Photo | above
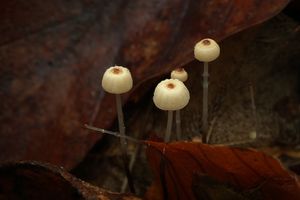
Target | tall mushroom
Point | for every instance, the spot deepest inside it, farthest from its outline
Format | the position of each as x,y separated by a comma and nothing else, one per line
206,51
170,95
181,75
117,80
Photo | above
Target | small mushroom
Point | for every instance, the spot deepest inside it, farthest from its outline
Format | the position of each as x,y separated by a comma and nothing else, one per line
206,51
182,75
117,80
170,95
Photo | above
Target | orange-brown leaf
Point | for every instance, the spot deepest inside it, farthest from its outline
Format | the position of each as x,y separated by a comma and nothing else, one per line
176,164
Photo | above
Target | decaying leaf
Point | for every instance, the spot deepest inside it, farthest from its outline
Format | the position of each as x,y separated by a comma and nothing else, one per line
36,181
53,52
176,165
205,187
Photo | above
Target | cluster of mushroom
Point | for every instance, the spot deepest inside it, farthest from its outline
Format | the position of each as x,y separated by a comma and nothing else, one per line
170,94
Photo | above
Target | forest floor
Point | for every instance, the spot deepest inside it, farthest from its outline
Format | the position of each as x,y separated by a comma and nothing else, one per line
264,59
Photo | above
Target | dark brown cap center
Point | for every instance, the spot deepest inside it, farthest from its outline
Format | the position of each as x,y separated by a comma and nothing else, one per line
206,42
179,69
170,85
117,70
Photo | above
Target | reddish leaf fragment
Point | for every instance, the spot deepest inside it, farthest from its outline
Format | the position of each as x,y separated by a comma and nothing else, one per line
244,169
205,187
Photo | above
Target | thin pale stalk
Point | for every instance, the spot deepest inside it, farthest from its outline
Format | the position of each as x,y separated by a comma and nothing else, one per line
123,141
131,163
253,105
178,125
205,103
121,123
210,130
169,126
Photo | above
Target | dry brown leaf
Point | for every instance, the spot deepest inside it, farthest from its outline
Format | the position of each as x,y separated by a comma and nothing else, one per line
176,164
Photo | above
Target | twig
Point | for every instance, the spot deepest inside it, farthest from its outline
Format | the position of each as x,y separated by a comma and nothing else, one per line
93,128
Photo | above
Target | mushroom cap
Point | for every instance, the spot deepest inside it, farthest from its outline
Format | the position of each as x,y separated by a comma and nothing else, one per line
206,50
179,74
171,94
117,80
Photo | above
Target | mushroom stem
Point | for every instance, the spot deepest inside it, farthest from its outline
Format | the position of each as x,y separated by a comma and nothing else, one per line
121,123
253,105
124,142
128,173
205,103
178,125
131,163
169,126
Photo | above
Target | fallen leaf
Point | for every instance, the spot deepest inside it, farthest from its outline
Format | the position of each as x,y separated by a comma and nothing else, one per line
175,165
205,187
35,181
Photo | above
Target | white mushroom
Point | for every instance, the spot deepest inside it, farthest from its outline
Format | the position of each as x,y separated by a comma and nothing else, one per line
182,75
206,51
117,80
179,74
170,95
